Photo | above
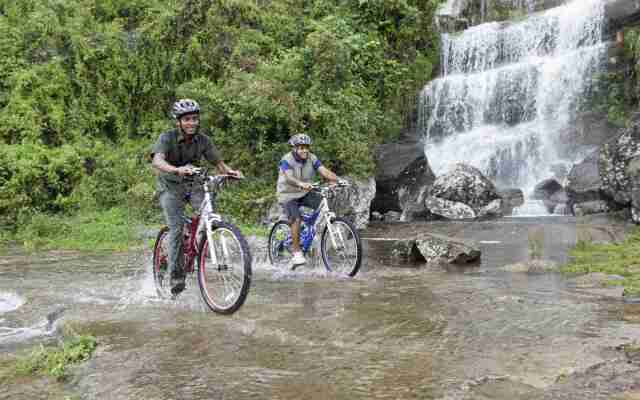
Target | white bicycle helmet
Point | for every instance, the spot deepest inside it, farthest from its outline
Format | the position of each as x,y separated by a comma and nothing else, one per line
300,138
184,107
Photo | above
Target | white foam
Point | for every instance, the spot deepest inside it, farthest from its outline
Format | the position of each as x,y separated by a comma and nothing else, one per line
10,302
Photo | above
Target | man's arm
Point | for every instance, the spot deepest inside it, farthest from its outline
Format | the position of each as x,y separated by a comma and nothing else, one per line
327,174
160,163
225,169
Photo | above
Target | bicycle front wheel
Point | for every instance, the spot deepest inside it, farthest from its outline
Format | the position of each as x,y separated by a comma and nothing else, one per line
279,244
161,263
224,282
341,247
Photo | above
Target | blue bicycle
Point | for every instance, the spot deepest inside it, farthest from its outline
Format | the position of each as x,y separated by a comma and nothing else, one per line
340,244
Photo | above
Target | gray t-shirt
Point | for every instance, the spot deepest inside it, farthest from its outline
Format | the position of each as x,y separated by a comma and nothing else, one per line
301,170
179,153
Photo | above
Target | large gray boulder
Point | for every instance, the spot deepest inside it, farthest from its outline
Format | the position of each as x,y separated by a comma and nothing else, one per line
353,202
604,180
449,209
511,198
442,249
552,194
463,193
412,202
545,189
633,172
620,13
615,157
584,183
402,173
424,247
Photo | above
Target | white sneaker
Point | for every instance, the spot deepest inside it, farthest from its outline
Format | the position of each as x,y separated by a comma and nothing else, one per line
298,258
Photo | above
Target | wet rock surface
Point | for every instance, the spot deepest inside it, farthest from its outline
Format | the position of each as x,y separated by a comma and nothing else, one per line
402,170
463,193
615,157
633,171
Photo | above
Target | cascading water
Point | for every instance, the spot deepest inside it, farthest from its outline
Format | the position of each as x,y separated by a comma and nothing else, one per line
508,93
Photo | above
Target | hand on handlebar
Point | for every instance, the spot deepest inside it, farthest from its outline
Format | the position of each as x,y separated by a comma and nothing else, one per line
186,170
342,182
306,186
235,173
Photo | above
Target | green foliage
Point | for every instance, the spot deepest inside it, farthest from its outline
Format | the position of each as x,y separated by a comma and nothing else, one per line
100,230
85,89
55,361
615,258
247,200
632,55
35,178
613,96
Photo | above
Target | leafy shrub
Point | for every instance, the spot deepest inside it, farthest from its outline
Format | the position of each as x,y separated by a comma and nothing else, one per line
85,89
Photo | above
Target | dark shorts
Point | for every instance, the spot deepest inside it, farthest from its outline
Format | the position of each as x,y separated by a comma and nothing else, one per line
292,207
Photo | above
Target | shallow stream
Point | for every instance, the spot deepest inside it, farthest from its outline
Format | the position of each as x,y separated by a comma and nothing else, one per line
395,331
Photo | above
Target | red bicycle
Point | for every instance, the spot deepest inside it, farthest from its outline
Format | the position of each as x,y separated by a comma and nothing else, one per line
212,247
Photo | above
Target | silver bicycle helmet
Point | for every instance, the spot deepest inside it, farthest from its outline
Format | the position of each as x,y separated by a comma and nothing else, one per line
183,107
300,138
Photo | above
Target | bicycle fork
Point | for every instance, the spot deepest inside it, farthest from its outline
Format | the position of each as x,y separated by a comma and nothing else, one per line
209,217
328,216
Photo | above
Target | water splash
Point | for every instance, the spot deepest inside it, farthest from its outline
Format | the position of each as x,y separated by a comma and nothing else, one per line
45,327
10,302
509,92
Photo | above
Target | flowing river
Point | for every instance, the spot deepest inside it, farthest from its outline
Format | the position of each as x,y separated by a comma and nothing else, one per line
395,331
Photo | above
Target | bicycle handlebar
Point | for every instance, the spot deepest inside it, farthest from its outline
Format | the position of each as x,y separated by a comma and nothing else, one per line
324,187
202,175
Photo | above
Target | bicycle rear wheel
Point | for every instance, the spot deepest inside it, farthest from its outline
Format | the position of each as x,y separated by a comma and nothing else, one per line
279,244
224,285
343,254
161,263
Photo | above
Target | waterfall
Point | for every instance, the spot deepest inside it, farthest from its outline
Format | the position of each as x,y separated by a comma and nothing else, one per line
509,91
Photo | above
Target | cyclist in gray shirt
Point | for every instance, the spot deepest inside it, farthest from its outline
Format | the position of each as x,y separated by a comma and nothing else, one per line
174,154
296,171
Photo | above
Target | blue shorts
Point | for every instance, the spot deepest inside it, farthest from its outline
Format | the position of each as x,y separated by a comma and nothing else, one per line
292,207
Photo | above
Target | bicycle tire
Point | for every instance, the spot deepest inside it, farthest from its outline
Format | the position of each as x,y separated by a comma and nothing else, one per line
278,251
222,291
331,256
160,262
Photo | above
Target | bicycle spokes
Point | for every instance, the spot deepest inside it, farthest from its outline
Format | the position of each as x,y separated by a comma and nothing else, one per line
341,248
160,263
224,278
280,244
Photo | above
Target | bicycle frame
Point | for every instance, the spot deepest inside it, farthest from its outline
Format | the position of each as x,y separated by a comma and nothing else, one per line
191,248
311,221
202,222
208,216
